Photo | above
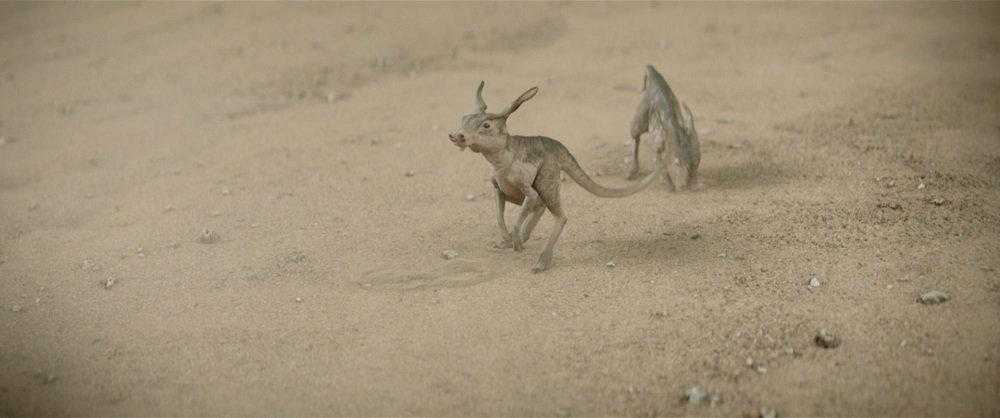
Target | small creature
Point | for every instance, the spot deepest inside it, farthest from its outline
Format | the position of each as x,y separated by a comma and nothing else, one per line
526,172
659,112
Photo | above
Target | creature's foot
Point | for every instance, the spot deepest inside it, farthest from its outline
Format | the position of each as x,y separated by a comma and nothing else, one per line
544,262
506,242
633,173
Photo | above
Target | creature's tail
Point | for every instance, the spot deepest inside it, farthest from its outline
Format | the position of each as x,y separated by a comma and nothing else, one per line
572,167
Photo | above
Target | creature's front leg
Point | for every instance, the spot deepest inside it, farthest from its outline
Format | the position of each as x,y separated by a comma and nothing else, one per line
505,239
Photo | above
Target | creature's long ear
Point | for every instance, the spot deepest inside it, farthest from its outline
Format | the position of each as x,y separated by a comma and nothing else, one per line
480,103
517,102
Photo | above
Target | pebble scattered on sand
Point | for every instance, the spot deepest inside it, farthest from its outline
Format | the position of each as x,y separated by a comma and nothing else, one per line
226,192
409,173
208,236
470,197
109,281
695,236
813,283
921,186
826,339
938,201
610,264
768,413
298,300
449,254
933,297
695,395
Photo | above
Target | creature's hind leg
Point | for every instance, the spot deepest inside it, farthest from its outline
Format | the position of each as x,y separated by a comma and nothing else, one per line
634,171
550,196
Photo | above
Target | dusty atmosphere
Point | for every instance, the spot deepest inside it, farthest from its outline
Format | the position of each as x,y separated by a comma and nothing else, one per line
241,209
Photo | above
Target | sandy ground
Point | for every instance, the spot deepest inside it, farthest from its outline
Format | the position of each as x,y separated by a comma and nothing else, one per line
289,130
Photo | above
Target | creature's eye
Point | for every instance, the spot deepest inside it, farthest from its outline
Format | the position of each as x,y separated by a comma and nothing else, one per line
486,125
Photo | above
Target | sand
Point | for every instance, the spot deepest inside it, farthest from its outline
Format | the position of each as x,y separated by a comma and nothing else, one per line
857,144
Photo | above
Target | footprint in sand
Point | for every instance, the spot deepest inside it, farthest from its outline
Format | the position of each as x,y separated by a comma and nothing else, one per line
456,273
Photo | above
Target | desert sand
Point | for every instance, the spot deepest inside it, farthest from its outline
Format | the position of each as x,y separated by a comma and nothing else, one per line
857,144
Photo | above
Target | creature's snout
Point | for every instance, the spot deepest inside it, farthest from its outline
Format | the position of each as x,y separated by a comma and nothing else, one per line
458,139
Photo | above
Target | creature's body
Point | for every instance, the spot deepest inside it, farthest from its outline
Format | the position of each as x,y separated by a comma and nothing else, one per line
526,172
659,112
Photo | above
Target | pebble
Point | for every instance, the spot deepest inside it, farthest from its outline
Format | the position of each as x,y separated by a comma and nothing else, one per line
409,174
226,192
695,236
208,236
15,308
695,395
826,339
938,201
299,300
933,297
813,283
108,282
470,197
768,413
610,264
449,254
921,186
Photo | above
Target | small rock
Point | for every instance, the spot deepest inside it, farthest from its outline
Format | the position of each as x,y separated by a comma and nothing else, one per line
15,308
695,395
108,282
938,201
826,339
921,186
470,197
695,236
790,351
610,264
409,174
254,225
768,413
760,369
208,237
749,361
813,283
215,214
168,208
449,254
226,192
298,300
933,297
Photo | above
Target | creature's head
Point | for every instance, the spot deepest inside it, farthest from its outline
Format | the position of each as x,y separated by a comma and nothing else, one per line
484,132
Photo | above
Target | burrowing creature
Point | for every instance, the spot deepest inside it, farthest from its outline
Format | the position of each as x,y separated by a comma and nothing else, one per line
526,172
659,113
